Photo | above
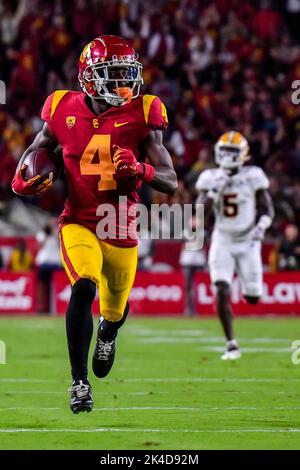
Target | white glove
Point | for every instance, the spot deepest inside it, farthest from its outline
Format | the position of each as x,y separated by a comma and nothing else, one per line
258,233
260,228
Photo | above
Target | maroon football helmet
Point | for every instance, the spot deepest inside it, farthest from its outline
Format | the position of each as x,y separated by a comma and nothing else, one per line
109,70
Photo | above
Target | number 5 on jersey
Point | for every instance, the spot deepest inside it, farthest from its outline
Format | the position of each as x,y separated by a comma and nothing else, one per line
105,169
230,205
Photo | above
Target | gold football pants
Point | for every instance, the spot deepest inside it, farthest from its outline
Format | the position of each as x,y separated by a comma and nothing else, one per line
111,268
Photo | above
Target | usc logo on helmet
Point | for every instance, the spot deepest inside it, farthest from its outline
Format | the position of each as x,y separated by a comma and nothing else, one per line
86,53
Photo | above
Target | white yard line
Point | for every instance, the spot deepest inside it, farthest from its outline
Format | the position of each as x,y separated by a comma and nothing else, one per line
205,336
216,340
26,379
164,408
208,379
158,392
177,340
150,332
150,430
165,379
247,349
50,392
30,408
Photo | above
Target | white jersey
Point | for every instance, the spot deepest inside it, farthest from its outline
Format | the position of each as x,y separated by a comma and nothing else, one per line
235,212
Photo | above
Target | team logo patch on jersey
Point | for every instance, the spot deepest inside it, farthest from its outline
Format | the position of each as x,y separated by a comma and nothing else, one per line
70,121
96,123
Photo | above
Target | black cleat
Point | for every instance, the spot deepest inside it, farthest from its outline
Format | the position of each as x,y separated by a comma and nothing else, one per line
81,397
104,355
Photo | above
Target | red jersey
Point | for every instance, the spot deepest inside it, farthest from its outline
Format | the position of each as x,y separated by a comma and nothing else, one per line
87,142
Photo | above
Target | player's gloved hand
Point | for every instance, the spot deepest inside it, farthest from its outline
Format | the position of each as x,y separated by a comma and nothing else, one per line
29,187
260,228
125,163
258,233
217,188
127,166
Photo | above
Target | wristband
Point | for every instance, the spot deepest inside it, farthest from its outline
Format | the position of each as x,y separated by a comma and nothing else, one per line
148,173
264,222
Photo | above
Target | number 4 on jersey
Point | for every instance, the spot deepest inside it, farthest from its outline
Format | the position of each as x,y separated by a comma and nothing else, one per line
105,169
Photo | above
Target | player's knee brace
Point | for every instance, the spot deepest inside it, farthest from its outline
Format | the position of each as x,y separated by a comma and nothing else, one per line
84,291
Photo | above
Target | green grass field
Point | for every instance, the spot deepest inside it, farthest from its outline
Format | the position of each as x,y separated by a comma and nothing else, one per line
168,388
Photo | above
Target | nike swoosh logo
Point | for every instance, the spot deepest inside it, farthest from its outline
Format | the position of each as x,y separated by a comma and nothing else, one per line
119,124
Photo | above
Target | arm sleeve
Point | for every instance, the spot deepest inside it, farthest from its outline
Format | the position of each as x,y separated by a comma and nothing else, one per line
155,112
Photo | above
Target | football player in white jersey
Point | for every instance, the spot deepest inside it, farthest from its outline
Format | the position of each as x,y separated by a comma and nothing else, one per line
243,211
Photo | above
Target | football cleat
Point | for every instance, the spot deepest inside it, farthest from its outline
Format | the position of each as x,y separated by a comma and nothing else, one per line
231,354
104,355
81,397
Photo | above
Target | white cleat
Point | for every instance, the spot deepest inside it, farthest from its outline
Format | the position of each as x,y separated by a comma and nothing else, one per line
231,355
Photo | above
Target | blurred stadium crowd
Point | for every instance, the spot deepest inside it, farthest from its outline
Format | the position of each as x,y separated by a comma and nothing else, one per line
216,65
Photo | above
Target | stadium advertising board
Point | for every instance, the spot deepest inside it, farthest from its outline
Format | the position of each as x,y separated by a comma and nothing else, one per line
61,292
163,293
17,293
158,293
281,295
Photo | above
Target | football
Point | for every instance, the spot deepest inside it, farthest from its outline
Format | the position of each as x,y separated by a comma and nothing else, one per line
41,162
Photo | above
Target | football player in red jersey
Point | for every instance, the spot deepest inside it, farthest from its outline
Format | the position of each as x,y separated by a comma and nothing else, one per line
106,133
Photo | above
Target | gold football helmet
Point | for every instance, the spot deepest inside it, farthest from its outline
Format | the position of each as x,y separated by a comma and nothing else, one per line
231,150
